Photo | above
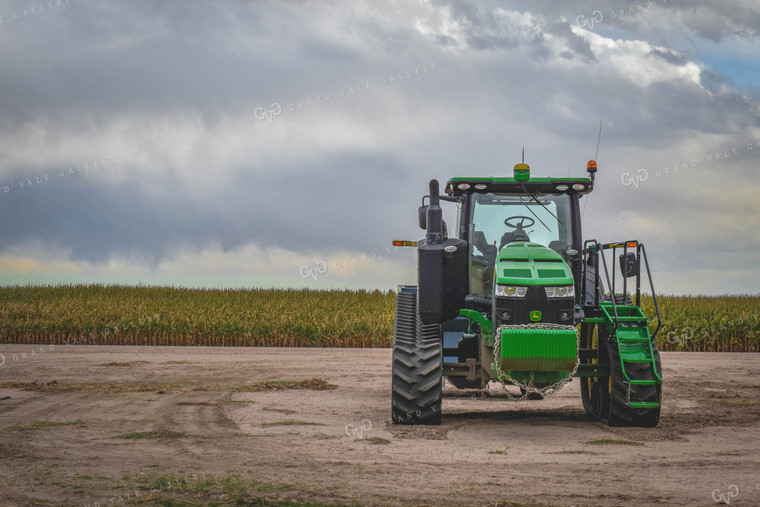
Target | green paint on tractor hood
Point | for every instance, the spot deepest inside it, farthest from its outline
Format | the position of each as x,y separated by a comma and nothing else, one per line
529,264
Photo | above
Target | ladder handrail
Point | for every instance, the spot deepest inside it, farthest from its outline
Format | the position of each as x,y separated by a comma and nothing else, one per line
592,248
654,295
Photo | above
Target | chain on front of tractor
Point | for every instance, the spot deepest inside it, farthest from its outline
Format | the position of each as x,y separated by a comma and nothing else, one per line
528,388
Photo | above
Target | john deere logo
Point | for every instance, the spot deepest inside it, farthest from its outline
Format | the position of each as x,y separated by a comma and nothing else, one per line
535,316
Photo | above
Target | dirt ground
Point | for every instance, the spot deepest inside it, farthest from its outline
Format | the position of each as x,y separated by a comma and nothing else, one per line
159,425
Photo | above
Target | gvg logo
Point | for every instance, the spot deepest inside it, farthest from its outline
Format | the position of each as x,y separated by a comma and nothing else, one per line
636,179
354,431
319,269
673,338
733,491
584,22
274,110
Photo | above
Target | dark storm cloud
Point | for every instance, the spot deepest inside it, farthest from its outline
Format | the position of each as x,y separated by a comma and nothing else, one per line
343,202
108,58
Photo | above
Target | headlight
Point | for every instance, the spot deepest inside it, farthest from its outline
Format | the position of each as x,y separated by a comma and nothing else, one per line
509,291
566,291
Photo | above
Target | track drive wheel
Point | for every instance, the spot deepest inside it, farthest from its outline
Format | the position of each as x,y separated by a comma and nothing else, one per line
595,391
589,340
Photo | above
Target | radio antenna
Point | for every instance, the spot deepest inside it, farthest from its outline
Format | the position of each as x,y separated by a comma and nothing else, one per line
596,159
598,141
523,156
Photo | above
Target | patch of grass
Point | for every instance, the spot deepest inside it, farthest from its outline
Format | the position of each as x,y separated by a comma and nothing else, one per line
740,402
314,384
376,441
286,411
612,441
152,435
233,485
165,482
126,364
291,422
239,491
115,387
42,425
229,489
206,485
237,402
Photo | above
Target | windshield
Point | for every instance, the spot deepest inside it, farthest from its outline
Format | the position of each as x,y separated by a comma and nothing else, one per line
545,220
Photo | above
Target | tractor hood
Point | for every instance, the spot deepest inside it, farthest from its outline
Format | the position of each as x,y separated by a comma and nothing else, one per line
530,264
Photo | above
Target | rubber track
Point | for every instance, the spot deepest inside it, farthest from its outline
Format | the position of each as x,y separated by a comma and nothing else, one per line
417,366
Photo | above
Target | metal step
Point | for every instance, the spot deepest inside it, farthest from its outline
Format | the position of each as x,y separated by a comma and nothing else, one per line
643,404
632,319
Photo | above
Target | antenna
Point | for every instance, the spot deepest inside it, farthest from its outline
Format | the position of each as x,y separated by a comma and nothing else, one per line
598,141
523,156
596,161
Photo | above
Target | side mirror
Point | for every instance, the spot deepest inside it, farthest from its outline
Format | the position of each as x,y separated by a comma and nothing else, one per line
629,264
422,216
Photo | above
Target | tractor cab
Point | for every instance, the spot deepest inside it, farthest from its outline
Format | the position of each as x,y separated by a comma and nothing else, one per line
497,212
502,219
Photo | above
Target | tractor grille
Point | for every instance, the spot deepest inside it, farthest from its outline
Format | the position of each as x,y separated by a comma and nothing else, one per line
519,309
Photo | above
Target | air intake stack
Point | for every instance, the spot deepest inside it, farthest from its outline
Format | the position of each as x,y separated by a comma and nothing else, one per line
442,282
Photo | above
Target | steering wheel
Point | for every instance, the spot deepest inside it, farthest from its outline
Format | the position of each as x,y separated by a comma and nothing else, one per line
521,224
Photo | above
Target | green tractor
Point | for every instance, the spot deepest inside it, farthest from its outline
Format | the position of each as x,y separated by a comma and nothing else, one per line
517,297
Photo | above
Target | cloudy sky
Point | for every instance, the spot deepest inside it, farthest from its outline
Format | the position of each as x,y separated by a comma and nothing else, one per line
265,143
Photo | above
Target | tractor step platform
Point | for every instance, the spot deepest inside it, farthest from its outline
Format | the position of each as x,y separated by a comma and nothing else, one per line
643,404
621,313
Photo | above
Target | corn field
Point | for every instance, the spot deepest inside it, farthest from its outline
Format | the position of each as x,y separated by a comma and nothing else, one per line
707,323
115,315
